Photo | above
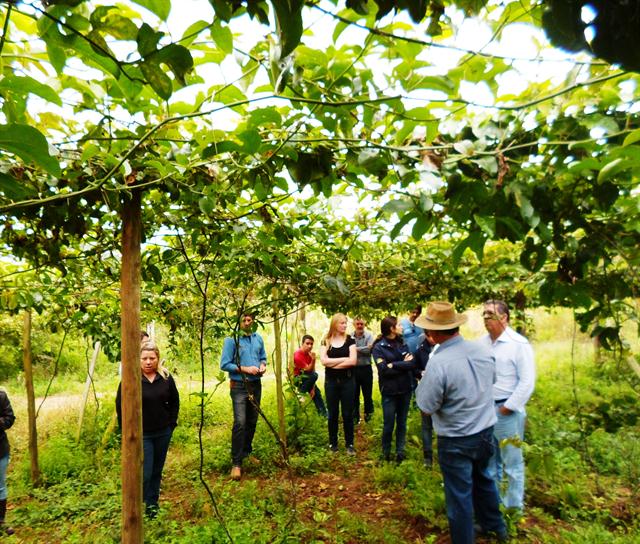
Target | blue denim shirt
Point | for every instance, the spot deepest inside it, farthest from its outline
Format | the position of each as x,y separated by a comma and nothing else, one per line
457,388
252,353
411,334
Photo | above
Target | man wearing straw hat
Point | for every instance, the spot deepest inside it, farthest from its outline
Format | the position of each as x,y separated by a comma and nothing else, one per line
457,391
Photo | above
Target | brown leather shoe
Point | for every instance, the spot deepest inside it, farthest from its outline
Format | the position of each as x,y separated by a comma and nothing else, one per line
236,473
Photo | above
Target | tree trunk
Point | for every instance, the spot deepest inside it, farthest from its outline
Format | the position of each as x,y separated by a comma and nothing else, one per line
278,372
132,530
87,388
31,399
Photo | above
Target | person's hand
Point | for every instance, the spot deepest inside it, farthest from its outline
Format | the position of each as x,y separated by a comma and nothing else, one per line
408,357
263,368
505,411
251,370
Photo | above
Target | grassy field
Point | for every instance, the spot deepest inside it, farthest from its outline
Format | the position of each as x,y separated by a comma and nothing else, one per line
583,462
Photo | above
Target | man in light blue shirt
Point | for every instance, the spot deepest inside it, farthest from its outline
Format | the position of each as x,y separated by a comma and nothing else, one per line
411,332
515,381
457,391
245,359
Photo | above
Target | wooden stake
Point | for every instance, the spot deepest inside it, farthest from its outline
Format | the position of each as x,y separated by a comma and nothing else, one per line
132,529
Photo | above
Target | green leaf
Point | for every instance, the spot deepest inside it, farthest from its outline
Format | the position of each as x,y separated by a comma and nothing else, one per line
632,138
487,224
251,140
159,7
222,8
217,148
420,227
398,206
121,28
29,144
207,205
222,37
289,19
178,58
264,116
147,40
14,189
159,81
24,85
191,33
612,168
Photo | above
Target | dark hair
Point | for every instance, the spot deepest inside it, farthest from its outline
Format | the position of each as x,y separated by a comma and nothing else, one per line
450,332
143,335
249,314
418,307
501,305
306,337
388,324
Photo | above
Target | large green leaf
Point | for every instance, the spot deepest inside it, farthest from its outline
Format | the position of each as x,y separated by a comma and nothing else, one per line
178,58
289,18
160,7
147,40
12,188
155,76
24,85
29,144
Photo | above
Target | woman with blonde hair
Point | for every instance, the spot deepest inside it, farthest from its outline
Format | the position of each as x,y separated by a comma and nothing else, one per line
160,407
338,355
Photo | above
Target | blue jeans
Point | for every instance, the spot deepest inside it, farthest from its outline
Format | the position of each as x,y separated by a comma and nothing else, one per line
468,487
339,393
427,437
155,446
4,462
245,418
364,383
395,409
306,383
508,460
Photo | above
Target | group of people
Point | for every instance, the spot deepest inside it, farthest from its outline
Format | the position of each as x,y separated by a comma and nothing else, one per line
471,394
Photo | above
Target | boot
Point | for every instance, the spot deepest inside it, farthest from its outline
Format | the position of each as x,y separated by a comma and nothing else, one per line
4,528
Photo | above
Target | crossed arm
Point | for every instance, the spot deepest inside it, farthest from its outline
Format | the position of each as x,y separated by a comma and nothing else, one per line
339,362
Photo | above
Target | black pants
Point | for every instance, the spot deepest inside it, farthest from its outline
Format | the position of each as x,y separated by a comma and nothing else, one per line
364,383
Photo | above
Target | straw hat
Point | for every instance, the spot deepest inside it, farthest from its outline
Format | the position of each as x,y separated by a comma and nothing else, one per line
440,316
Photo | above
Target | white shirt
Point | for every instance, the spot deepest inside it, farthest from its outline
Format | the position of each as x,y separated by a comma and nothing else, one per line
515,369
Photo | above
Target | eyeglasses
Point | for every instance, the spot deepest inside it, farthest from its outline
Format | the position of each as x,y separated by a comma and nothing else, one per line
490,315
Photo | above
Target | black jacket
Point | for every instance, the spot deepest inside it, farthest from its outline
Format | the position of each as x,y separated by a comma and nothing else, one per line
160,404
421,357
398,379
6,421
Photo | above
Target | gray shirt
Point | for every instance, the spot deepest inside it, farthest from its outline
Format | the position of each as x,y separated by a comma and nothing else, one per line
363,347
457,388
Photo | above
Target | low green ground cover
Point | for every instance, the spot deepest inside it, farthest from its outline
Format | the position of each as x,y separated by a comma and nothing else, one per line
583,460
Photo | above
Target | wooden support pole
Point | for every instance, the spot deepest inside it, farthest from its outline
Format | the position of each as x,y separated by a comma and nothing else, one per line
27,362
278,372
87,388
131,397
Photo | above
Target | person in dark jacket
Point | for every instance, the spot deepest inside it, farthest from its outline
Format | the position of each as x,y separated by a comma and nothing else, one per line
6,421
421,356
160,407
396,368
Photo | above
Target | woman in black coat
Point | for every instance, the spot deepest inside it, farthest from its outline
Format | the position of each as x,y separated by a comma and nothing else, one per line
160,407
6,421
396,368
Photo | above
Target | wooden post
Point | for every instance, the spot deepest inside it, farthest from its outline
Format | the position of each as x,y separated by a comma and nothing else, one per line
87,388
31,398
278,373
131,397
